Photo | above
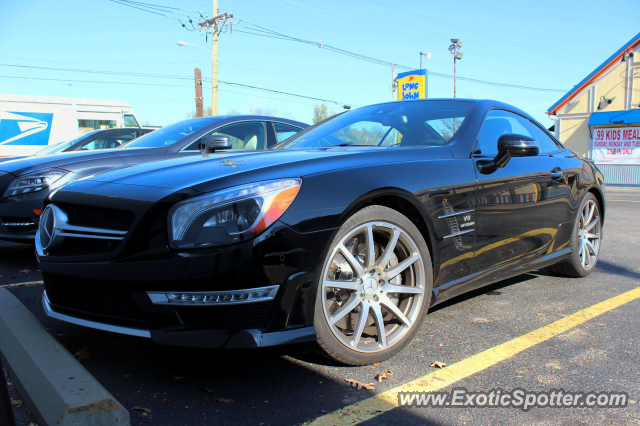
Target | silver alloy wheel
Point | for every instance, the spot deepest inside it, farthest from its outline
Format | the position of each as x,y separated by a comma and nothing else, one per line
589,234
373,287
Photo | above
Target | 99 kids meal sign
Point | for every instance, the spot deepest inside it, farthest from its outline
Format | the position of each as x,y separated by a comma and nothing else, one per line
617,145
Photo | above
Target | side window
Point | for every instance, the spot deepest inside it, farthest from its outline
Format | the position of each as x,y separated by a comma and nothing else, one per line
246,135
130,121
546,143
496,124
88,125
109,141
284,131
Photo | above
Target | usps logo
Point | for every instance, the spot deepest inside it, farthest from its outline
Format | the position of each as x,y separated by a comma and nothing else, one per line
25,128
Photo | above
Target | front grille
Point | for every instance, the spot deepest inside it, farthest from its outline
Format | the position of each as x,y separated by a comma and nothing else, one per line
232,317
98,217
84,246
95,297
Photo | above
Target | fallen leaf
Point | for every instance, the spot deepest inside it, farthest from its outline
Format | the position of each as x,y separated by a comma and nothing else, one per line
225,400
359,385
541,315
146,410
384,375
377,363
207,390
174,377
16,402
438,364
143,414
25,271
82,354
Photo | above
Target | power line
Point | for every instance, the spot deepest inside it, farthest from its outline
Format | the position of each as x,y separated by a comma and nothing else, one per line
282,93
262,31
192,62
130,74
179,85
157,11
100,63
94,81
258,30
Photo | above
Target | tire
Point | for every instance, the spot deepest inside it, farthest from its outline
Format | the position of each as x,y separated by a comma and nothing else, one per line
356,278
577,266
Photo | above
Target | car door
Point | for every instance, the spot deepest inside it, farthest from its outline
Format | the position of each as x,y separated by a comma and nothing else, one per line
520,206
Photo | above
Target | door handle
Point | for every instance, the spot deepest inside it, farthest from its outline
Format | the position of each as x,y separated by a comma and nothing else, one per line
557,174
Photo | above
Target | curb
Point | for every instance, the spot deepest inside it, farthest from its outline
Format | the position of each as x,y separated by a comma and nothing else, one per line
622,189
55,386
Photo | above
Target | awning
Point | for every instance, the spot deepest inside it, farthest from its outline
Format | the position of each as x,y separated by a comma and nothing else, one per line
615,117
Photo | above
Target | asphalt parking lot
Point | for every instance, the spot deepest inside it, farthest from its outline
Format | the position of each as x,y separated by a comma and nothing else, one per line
190,387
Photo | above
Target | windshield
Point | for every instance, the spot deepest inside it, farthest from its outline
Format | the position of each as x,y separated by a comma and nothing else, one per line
416,123
61,146
170,134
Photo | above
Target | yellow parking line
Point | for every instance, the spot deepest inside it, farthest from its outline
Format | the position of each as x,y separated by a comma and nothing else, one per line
385,401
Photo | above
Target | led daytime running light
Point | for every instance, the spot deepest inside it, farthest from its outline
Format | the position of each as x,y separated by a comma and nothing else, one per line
214,297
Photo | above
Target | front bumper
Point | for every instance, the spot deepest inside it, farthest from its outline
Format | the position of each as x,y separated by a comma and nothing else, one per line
18,217
112,295
219,339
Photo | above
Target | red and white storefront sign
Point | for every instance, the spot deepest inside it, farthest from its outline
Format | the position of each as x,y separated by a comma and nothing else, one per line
619,145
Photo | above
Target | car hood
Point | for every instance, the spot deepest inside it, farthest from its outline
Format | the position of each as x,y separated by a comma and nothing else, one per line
219,170
3,159
70,161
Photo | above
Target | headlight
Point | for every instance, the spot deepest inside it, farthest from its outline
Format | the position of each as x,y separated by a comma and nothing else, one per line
34,182
231,215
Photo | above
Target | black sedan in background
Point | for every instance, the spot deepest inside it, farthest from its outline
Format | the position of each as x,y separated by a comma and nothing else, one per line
25,183
97,139
341,237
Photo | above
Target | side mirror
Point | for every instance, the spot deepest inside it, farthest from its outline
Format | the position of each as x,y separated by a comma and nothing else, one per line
213,143
518,145
511,145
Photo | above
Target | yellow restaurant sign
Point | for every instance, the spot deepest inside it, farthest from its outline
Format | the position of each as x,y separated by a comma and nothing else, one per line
412,85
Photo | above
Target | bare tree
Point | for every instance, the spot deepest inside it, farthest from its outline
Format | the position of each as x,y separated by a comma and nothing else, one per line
450,126
207,112
320,112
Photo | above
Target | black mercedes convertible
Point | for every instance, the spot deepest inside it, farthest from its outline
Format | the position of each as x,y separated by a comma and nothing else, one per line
340,239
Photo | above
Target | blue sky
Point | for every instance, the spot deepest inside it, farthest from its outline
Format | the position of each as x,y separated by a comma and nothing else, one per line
542,43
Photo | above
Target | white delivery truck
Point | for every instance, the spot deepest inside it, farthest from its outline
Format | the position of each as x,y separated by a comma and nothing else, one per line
30,123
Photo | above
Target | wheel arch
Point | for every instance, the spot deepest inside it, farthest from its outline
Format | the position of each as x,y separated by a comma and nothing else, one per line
401,201
597,192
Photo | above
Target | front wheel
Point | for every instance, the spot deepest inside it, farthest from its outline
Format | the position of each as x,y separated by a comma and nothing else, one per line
375,288
585,242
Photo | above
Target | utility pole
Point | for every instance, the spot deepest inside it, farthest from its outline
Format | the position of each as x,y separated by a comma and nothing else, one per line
393,81
455,47
213,26
199,109
214,64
